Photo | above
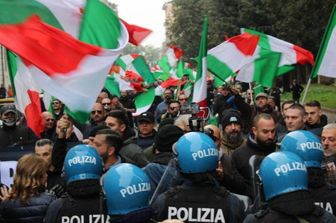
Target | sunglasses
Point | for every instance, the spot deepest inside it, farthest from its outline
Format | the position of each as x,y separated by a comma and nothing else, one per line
98,112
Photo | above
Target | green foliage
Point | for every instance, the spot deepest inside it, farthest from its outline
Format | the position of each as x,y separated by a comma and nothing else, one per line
325,94
301,22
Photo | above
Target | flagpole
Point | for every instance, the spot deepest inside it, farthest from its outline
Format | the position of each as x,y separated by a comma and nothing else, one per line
306,91
313,73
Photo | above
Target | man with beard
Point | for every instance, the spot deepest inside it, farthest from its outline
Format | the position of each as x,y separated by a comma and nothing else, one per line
232,131
261,141
163,106
173,110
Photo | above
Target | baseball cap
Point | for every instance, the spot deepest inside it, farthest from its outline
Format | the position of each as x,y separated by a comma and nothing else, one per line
261,94
146,116
8,108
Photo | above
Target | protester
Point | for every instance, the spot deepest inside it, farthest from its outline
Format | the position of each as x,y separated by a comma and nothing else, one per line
281,126
106,102
261,141
127,101
49,126
12,134
295,117
220,104
27,200
82,168
328,139
285,185
163,106
173,110
44,150
146,130
97,117
117,120
57,108
296,89
108,144
162,152
315,120
232,131
185,105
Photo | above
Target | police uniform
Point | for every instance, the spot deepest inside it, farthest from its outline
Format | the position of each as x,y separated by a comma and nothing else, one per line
202,203
325,197
83,168
80,210
269,215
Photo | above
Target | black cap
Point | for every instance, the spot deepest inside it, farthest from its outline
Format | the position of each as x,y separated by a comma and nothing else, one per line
231,116
146,116
166,137
8,108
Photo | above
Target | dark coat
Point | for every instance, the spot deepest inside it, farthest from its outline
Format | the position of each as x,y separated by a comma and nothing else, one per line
13,211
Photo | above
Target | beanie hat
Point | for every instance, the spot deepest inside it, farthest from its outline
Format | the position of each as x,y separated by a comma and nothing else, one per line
166,137
231,116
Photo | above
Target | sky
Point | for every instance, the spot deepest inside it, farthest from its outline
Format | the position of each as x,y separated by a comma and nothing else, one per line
145,13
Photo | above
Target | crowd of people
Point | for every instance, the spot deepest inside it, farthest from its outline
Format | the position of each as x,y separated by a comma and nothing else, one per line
260,160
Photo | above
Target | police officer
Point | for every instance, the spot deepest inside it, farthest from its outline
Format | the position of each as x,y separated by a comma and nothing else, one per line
308,146
285,184
199,198
83,168
127,192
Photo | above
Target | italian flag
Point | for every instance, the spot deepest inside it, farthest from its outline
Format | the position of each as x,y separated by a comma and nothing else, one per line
227,58
325,60
69,73
169,60
164,85
266,58
144,101
65,15
140,67
200,86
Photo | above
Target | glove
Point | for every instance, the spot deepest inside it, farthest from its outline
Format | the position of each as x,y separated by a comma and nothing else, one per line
57,190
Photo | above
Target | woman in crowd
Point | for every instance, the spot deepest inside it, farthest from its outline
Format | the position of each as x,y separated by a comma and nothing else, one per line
27,200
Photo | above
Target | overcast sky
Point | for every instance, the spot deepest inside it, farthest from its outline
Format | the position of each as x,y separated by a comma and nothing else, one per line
145,13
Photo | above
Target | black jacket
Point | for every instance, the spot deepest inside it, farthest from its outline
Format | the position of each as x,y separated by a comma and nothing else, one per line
13,211
293,207
241,157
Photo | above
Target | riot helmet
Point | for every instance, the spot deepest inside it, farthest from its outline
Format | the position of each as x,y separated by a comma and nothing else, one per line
82,162
196,153
282,173
127,188
306,145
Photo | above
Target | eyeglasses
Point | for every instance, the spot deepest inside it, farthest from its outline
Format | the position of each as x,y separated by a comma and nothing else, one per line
98,112
106,103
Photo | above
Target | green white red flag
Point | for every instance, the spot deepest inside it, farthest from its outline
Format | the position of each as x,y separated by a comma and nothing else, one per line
200,86
265,59
69,73
65,15
326,57
230,56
